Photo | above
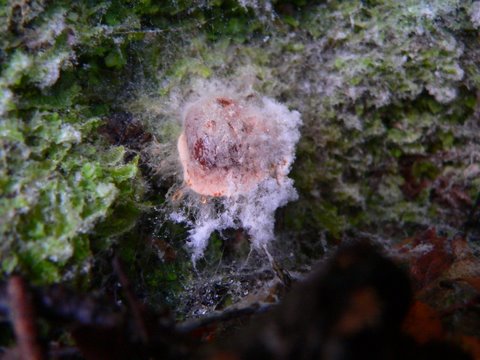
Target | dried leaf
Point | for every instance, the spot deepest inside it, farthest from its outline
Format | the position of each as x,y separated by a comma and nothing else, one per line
472,345
473,282
423,323
429,256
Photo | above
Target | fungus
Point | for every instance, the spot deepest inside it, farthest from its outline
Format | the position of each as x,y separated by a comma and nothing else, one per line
236,150
228,146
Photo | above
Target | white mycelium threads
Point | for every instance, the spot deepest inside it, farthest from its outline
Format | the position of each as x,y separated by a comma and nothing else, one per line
236,151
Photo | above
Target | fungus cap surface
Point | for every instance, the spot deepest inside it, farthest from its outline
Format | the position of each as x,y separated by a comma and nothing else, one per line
228,146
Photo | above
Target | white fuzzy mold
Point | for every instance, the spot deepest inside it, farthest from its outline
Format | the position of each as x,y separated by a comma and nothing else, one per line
236,149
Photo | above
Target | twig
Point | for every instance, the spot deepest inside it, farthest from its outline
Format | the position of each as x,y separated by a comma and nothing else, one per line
192,325
23,319
137,311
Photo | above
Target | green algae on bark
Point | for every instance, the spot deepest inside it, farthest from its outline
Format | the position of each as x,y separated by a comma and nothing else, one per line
387,91
58,179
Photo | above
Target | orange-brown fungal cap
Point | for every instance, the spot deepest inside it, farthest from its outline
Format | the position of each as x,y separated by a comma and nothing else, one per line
219,147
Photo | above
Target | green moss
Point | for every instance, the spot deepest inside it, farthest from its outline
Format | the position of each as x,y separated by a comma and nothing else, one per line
55,188
376,83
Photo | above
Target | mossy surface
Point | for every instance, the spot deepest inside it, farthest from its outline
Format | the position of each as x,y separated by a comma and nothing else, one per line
387,91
